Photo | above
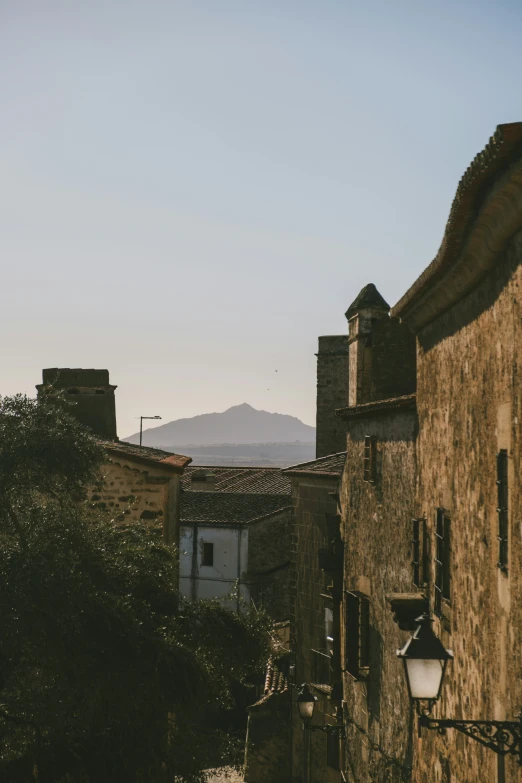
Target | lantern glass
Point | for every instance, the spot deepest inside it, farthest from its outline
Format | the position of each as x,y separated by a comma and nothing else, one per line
306,709
306,702
424,677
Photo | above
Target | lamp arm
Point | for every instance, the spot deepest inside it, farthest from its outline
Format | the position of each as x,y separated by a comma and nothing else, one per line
501,736
338,731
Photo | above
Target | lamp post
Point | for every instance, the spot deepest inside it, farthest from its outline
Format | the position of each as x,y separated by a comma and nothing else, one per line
306,704
425,661
141,424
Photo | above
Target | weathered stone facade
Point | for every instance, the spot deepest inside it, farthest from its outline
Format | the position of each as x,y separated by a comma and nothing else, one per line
136,483
377,561
131,490
315,605
431,521
332,393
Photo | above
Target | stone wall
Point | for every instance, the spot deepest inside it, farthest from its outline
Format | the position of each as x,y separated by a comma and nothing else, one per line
377,531
312,503
131,492
268,749
268,575
393,359
332,393
469,405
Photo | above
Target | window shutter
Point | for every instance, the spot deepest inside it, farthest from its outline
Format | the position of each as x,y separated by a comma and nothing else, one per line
351,662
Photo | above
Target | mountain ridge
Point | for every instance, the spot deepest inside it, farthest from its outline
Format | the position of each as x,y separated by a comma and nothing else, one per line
239,424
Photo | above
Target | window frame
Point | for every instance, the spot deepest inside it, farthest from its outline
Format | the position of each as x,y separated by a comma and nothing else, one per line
356,634
503,508
442,586
206,550
370,459
419,543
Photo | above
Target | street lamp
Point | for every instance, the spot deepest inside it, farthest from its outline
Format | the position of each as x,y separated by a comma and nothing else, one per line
306,704
425,660
141,424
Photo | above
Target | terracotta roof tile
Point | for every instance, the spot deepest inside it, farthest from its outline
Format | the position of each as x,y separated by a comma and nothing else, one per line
332,465
175,462
243,480
377,407
221,508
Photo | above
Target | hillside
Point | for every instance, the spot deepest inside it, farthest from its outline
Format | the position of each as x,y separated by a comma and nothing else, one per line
240,424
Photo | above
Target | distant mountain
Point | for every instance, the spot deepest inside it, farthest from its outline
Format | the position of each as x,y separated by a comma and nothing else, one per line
239,424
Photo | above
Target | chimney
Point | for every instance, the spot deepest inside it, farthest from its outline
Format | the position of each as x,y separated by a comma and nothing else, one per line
91,393
332,393
365,311
203,481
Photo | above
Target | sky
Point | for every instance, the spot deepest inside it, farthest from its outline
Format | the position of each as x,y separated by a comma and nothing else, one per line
192,191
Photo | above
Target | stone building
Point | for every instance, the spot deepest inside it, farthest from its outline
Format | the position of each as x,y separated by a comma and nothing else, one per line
429,500
332,393
137,483
235,534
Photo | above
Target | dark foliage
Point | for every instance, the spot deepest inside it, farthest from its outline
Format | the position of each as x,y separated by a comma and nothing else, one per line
106,674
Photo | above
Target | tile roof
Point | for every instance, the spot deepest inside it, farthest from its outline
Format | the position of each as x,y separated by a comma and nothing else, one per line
332,465
221,508
377,407
504,147
275,680
271,481
166,459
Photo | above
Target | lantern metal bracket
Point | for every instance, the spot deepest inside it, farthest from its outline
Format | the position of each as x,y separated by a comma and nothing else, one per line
336,731
501,736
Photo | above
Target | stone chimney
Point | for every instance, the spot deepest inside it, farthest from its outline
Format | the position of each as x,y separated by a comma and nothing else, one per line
92,395
332,393
203,481
364,313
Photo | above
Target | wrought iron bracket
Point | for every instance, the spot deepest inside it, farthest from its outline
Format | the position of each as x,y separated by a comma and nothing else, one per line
336,731
501,736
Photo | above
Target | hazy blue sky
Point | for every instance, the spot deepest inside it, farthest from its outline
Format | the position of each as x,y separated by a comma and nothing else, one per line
193,190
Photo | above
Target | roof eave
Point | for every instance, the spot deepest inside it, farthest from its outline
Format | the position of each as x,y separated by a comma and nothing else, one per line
486,212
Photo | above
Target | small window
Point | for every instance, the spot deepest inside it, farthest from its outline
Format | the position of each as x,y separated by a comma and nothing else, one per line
100,391
370,454
329,634
357,635
332,751
208,555
420,552
442,560
502,508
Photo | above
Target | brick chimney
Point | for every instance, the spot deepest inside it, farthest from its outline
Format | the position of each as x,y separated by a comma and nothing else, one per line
91,393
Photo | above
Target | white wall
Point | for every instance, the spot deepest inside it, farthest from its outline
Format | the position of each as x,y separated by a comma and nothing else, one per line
230,561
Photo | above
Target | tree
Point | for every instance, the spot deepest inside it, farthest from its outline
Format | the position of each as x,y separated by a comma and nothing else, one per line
97,647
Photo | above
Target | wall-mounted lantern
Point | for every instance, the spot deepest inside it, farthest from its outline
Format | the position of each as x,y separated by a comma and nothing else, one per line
425,661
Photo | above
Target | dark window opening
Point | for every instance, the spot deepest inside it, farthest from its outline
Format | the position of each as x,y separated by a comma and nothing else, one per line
442,560
73,391
502,508
370,455
332,751
357,635
100,391
321,667
208,555
420,553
